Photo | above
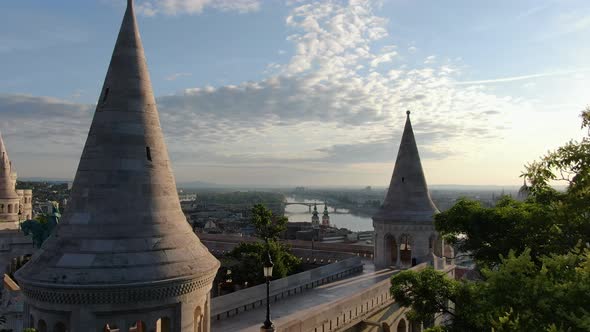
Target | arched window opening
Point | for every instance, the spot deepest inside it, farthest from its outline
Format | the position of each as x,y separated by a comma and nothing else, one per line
390,249
59,327
1,208
148,153
401,326
138,326
405,250
41,326
163,325
9,208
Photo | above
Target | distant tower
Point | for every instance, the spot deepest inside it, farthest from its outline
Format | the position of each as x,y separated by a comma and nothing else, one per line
523,192
15,205
315,218
326,216
123,257
404,225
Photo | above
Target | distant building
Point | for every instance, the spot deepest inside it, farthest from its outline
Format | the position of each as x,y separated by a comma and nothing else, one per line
16,205
315,218
326,216
523,192
404,225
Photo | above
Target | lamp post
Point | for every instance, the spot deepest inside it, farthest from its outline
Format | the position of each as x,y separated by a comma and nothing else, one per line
268,326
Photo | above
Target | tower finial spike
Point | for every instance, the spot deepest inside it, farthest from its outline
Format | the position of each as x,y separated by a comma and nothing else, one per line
408,113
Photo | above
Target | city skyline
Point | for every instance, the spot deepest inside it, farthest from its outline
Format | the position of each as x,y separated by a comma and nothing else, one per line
293,94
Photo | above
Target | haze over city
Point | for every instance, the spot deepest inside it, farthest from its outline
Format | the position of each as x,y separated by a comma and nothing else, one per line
285,93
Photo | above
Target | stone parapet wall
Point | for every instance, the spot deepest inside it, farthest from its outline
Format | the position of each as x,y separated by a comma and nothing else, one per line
344,313
232,304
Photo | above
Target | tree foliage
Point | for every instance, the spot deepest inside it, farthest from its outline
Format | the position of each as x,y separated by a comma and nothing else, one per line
268,226
534,256
517,295
42,226
247,259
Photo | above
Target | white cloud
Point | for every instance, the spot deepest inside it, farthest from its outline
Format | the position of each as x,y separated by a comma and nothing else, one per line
430,59
331,103
175,7
176,76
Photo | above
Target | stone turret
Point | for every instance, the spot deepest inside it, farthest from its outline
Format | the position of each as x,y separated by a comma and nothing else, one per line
404,225
9,199
123,256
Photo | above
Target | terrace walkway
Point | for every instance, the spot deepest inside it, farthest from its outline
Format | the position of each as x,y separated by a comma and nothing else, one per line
252,320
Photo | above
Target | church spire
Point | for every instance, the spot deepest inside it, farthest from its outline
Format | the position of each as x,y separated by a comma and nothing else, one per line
6,182
3,155
124,223
408,197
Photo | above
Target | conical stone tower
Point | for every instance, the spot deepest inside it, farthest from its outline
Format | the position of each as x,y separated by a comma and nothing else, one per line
123,255
404,225
9,199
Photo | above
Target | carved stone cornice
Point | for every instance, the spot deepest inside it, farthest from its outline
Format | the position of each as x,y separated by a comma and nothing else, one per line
116,294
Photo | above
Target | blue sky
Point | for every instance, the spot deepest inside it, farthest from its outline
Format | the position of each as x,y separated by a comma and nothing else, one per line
306,92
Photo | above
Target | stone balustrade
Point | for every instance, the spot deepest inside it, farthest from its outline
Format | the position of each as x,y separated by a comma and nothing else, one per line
232,304
344,313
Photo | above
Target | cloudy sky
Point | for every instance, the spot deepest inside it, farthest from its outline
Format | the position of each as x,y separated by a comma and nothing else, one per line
296,92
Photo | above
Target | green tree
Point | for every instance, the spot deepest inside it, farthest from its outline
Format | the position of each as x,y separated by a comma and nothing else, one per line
268,226
517,295
247,259
42,226
534,256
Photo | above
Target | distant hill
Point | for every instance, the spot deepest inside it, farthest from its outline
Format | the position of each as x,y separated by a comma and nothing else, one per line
40,179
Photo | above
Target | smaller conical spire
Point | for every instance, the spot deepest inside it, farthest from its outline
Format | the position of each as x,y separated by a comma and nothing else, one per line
6,184
407,197
3,153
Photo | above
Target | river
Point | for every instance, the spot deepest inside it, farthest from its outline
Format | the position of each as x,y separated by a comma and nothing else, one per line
341,219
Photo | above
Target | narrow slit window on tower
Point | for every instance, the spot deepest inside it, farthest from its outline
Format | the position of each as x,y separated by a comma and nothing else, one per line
106,94
148,153
403,179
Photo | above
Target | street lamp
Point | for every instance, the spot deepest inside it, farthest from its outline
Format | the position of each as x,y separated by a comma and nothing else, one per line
268,327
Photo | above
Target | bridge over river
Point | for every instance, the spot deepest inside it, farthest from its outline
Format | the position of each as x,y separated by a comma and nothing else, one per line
310,205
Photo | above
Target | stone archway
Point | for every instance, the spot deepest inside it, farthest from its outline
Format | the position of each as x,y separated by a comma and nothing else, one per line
402,326
390,250
41,326
60,327
405,250
163,325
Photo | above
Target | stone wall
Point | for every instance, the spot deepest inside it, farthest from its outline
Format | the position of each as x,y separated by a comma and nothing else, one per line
232,304
347,312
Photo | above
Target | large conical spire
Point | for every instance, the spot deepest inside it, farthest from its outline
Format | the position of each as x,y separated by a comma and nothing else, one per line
408,197
123,224
6,184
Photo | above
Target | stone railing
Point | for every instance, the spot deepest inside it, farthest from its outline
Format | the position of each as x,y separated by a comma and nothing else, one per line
232,304
344,313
